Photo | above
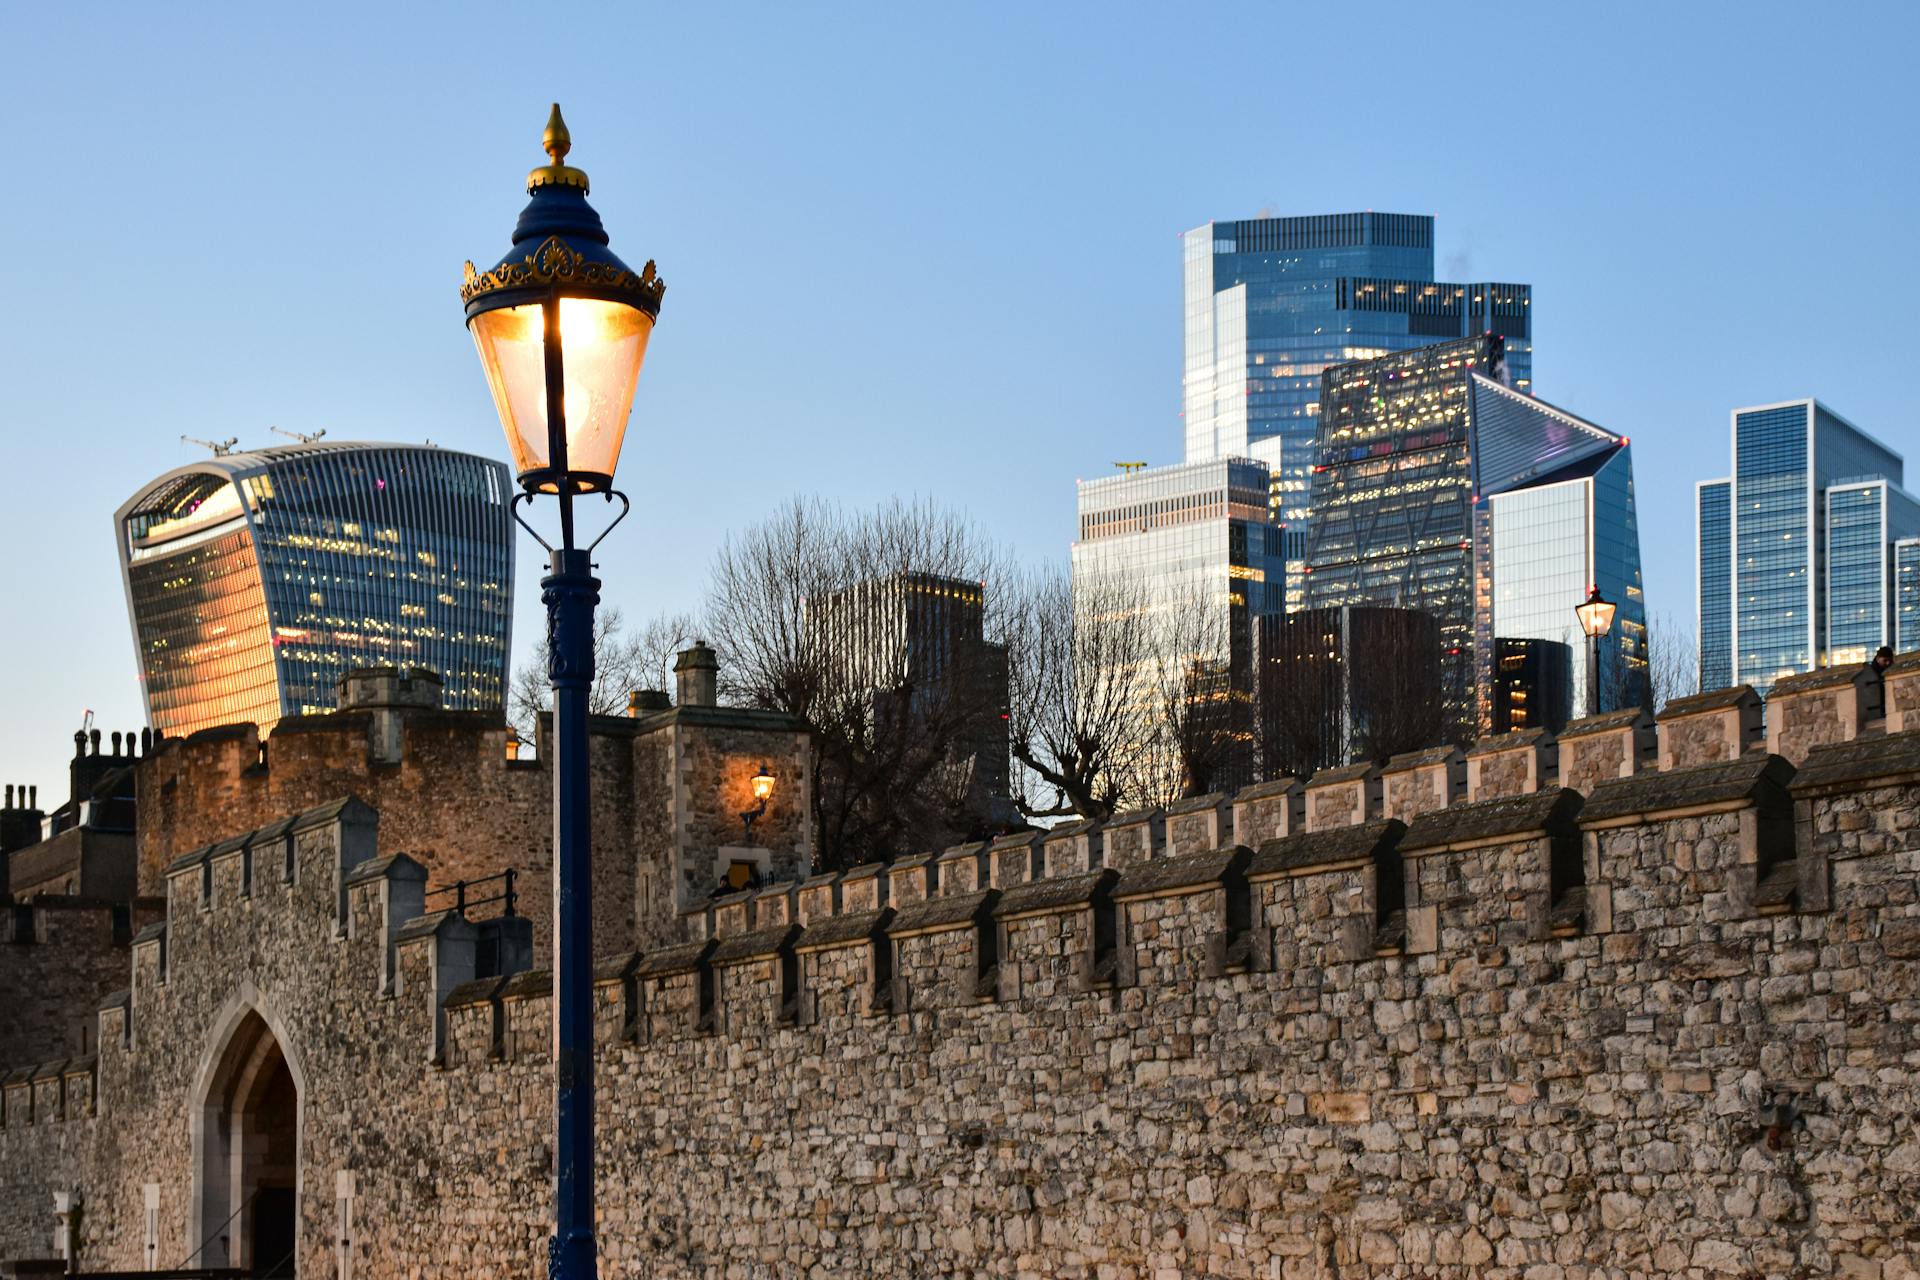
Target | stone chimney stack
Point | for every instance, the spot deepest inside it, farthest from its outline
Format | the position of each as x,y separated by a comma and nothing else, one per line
19,823
642,702
698,671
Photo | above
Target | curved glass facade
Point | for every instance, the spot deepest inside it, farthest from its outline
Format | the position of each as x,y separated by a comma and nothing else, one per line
255,581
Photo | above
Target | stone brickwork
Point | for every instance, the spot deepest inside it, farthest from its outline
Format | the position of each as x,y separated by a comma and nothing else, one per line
668,789
59,957
1671,1027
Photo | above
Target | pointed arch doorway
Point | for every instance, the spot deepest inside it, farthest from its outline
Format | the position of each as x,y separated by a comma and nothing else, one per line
246,1128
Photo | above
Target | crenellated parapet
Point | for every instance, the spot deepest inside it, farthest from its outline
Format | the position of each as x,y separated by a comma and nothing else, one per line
1527,838
1270,1023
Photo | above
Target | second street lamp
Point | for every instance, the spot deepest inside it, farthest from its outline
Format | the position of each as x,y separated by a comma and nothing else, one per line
1596,619
561,325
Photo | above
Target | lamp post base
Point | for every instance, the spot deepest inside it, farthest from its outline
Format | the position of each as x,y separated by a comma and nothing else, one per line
572,1258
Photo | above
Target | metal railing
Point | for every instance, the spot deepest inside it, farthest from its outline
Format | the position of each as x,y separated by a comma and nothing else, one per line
464,898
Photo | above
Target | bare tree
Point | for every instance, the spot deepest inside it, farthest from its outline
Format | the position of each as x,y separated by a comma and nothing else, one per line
622,662
879,631
1673,661
1363,683
1081,682
1395,685
1202,698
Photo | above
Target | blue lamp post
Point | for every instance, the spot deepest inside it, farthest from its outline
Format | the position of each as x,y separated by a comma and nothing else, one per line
561,325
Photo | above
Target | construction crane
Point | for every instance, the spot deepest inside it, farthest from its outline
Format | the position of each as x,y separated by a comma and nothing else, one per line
304,437
220,450
1131,467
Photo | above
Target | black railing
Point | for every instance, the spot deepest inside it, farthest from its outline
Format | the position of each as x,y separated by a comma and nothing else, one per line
464,893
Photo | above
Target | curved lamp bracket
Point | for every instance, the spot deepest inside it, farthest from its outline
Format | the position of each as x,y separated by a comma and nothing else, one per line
626,508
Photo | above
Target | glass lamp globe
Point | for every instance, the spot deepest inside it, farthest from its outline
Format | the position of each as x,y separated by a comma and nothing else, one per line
561,313
763,784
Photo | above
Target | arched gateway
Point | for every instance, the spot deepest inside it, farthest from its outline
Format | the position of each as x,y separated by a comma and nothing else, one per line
246,1136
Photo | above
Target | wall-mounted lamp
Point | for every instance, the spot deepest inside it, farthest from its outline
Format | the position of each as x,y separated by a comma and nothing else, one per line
762,792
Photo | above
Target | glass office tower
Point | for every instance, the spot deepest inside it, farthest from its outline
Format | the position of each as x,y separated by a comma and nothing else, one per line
924,635
256,580
1272,302
1713,565
1191,531
1906,595
1393,496
1865,518
1439,487
1185,538
1786,459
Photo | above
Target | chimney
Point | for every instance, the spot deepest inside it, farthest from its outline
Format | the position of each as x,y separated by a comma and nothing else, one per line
698,672
19,823
642,702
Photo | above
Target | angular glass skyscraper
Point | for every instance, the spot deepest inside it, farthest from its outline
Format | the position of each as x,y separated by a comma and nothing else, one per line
1272,302
1814,507
256,580
1439,487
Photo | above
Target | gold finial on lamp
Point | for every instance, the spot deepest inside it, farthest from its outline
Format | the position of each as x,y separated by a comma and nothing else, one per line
557,142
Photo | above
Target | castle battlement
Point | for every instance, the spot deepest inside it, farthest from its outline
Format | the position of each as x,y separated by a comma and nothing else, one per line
1448,1015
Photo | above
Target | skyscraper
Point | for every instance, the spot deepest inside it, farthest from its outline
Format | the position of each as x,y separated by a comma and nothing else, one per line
256,580
1196,547
922,635
1272,302
1439,487
1713,546
1198,531
1864,519
1813,510
1906,595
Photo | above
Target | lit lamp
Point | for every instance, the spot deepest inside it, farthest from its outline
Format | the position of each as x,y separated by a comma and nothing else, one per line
561,325
1596,619
762,792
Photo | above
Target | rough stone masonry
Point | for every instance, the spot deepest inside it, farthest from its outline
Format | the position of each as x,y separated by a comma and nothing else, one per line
1485,1025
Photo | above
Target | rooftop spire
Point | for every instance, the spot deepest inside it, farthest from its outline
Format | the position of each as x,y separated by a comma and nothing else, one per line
557,142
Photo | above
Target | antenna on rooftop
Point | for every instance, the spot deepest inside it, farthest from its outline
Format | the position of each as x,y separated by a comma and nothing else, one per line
1131,467
304,437
220,450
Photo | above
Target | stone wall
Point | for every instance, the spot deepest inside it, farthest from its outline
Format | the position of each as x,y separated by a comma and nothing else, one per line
1668,1028
59,958
667,793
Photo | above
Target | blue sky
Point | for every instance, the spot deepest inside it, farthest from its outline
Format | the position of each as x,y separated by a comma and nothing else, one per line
909,249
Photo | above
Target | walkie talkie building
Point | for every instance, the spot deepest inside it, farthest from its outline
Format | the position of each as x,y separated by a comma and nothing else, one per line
256,580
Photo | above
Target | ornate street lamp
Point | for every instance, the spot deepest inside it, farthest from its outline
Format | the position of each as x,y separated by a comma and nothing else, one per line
762,785
1596,619
561,325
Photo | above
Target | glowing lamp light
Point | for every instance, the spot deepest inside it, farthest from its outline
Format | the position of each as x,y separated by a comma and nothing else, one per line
1596,614
763,784
602,345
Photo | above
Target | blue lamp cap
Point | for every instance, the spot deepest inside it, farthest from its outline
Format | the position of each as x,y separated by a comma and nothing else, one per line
559,242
